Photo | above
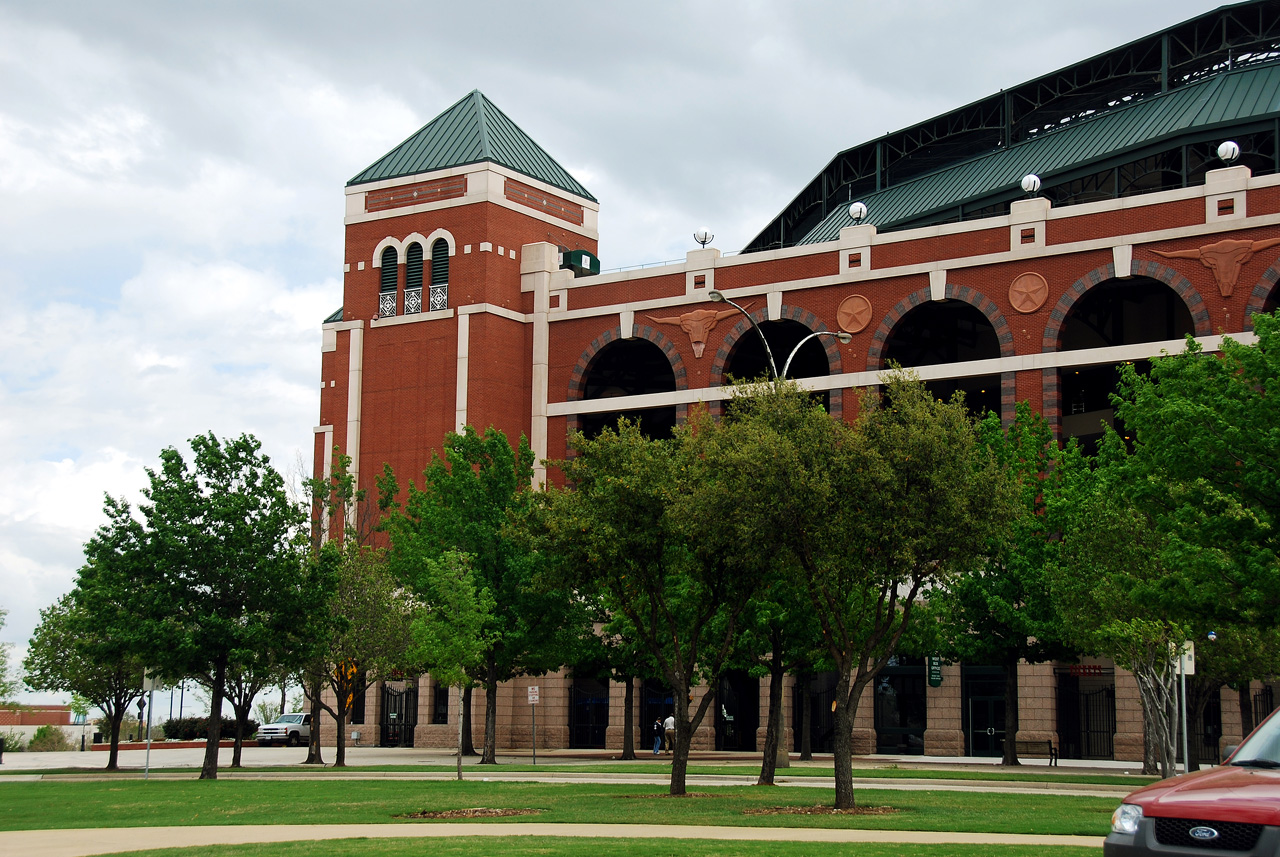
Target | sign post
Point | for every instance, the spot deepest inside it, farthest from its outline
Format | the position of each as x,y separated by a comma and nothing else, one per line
533,710
1186,667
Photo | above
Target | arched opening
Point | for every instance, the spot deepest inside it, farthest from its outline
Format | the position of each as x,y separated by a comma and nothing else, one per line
748,362
1116,312
439,297
945,332
630,367
389,282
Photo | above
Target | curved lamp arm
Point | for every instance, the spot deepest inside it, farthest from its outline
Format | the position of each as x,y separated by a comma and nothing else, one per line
719,297
840,335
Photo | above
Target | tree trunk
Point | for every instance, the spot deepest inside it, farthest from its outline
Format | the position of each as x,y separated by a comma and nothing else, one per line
773,731
115,718
629,720
314,755
806,718
846,707
242,720
340,755
490,756
1150,764
1246,710
468,744
209,770
680,754
1011,714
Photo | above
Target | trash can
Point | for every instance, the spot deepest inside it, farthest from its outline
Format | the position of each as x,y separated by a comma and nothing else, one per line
97,737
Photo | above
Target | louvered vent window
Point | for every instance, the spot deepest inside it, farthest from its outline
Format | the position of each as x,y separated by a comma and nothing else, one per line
440,275
413,279
390,279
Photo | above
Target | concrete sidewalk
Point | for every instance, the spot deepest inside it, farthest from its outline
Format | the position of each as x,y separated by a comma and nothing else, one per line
83,843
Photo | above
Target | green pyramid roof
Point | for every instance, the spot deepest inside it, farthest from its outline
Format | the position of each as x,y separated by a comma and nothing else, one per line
470,132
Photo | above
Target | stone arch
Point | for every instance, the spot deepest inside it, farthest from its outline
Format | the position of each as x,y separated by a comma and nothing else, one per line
975,299
577,378
830,345
1051,380
1258,298
383,245
1139,268
971,296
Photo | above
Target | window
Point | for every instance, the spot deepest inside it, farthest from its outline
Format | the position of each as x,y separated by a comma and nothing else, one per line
390,280
440,704
440,274
413,279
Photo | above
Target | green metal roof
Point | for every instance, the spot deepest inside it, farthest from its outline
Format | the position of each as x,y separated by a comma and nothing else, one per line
470,132
1223,101
336,315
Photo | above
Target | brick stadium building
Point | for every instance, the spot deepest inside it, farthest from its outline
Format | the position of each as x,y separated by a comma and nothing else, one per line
472,295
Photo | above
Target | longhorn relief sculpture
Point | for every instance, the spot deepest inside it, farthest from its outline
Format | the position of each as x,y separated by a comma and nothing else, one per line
697,324
1224,258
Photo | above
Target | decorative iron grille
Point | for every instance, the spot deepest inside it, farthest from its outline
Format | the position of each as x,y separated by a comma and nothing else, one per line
439,296
386,305
412,301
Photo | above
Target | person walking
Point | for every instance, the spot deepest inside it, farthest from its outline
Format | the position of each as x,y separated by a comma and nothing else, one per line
669,727
657,736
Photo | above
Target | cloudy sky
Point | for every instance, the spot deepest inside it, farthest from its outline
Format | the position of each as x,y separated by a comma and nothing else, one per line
171,181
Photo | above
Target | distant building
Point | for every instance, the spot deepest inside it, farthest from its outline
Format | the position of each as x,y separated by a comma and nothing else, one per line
473,295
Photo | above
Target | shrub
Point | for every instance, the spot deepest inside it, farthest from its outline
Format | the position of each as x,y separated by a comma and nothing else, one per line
48,738
197,728
14,741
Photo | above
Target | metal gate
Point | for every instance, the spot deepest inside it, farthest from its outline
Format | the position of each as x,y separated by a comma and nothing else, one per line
1263,704
821,690
1086,720
399,716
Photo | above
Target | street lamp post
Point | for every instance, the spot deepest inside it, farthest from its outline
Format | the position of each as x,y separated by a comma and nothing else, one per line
845,338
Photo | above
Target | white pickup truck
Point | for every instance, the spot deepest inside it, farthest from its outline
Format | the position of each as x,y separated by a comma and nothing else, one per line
292,729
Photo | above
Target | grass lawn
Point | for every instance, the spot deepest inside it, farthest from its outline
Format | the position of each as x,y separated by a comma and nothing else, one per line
563,847
127,803
1037,774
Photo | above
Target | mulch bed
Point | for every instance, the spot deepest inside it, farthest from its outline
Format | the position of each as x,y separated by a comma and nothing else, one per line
821,810
474,812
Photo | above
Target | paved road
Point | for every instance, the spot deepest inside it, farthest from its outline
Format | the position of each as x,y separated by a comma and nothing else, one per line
82,843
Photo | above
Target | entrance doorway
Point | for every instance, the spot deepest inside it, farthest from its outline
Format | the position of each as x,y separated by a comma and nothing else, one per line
589,714
399,715
901,712
737,711
1086,712
984,710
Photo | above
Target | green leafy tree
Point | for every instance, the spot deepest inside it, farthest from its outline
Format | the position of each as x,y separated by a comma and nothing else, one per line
80,647
8,682
369,637
221,573
467,500
1205,431
621,536
1002,612
913,498
451,629
1111,586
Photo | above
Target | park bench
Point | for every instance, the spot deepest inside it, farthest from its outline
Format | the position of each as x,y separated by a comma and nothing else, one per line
1039,748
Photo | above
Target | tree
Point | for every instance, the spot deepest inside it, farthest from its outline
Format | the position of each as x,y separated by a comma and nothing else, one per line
1111,587
912,498
1001,612
619,535
369,637
451,630
221,571
1205,433
78,648
8,682
467,499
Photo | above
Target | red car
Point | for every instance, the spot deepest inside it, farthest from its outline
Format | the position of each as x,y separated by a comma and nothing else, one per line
1229,810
